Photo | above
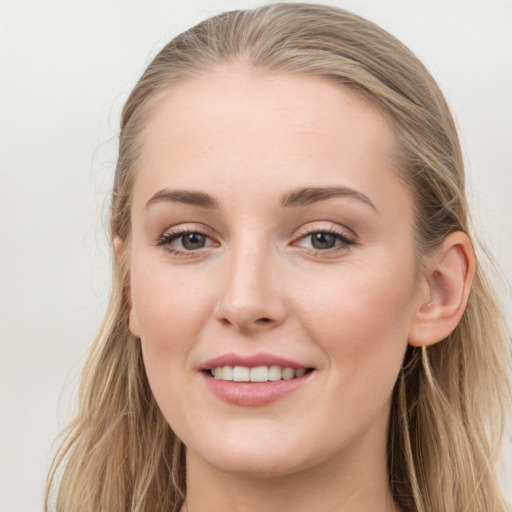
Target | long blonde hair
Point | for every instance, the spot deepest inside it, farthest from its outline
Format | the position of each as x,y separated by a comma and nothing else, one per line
119,453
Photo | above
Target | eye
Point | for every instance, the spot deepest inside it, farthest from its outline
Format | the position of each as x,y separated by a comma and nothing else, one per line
184,241
324,240
192,241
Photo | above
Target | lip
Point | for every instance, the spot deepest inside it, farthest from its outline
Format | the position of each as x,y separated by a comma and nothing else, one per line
253,394
251,361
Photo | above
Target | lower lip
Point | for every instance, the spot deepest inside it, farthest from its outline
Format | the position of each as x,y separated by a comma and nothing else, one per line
253,394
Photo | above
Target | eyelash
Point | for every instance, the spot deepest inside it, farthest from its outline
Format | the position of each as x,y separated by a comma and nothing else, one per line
344,240
167,238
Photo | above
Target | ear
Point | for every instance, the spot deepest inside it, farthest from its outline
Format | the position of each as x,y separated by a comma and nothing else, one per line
450,272
120,255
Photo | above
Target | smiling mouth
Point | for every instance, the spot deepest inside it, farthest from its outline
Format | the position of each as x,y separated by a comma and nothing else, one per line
259,374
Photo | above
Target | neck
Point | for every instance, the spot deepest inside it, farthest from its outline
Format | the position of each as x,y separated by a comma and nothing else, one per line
360,485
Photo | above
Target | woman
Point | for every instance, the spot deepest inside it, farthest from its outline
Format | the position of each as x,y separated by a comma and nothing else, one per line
297,319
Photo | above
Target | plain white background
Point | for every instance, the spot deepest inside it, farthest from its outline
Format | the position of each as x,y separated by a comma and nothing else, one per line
66,69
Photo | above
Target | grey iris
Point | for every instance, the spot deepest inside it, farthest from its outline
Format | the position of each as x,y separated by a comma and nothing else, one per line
193,241
323,240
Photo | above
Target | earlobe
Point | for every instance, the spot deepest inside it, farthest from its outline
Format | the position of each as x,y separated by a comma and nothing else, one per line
132,316
450,272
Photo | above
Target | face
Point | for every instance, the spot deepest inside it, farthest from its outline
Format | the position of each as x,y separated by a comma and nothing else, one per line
271,238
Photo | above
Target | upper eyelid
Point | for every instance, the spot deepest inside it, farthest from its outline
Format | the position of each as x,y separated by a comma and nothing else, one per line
191,227
328,227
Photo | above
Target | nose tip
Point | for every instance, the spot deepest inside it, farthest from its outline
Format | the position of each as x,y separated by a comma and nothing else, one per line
251,299
245,318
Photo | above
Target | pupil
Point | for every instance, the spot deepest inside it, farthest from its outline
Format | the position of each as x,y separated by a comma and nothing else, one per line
193,241
323,240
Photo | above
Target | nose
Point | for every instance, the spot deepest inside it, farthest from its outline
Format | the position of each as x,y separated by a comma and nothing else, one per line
251,299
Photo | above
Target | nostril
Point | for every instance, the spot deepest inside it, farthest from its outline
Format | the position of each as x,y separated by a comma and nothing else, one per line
263,320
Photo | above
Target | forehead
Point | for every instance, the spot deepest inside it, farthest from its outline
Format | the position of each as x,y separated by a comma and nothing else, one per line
237,98
236,125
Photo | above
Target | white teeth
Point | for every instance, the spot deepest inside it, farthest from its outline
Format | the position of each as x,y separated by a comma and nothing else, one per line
257,374
288,373
241,374
274,373
227,373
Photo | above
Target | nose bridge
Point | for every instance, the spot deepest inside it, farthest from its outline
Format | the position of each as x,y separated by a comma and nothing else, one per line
251,297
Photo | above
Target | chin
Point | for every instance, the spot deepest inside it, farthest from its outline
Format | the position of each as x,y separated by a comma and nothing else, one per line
258,458
256,466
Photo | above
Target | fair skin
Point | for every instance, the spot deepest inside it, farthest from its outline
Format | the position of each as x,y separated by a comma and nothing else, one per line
300,245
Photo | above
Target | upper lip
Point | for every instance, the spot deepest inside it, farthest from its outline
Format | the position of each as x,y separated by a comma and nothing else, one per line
251,361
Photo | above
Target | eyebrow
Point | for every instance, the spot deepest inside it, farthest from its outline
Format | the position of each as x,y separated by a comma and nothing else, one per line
309,195
299,197
185,197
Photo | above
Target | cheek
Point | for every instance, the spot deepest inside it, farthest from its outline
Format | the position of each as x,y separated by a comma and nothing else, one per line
360,322
170,309
360,317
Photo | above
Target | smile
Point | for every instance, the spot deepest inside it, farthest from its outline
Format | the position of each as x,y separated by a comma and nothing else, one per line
257,374
254,380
